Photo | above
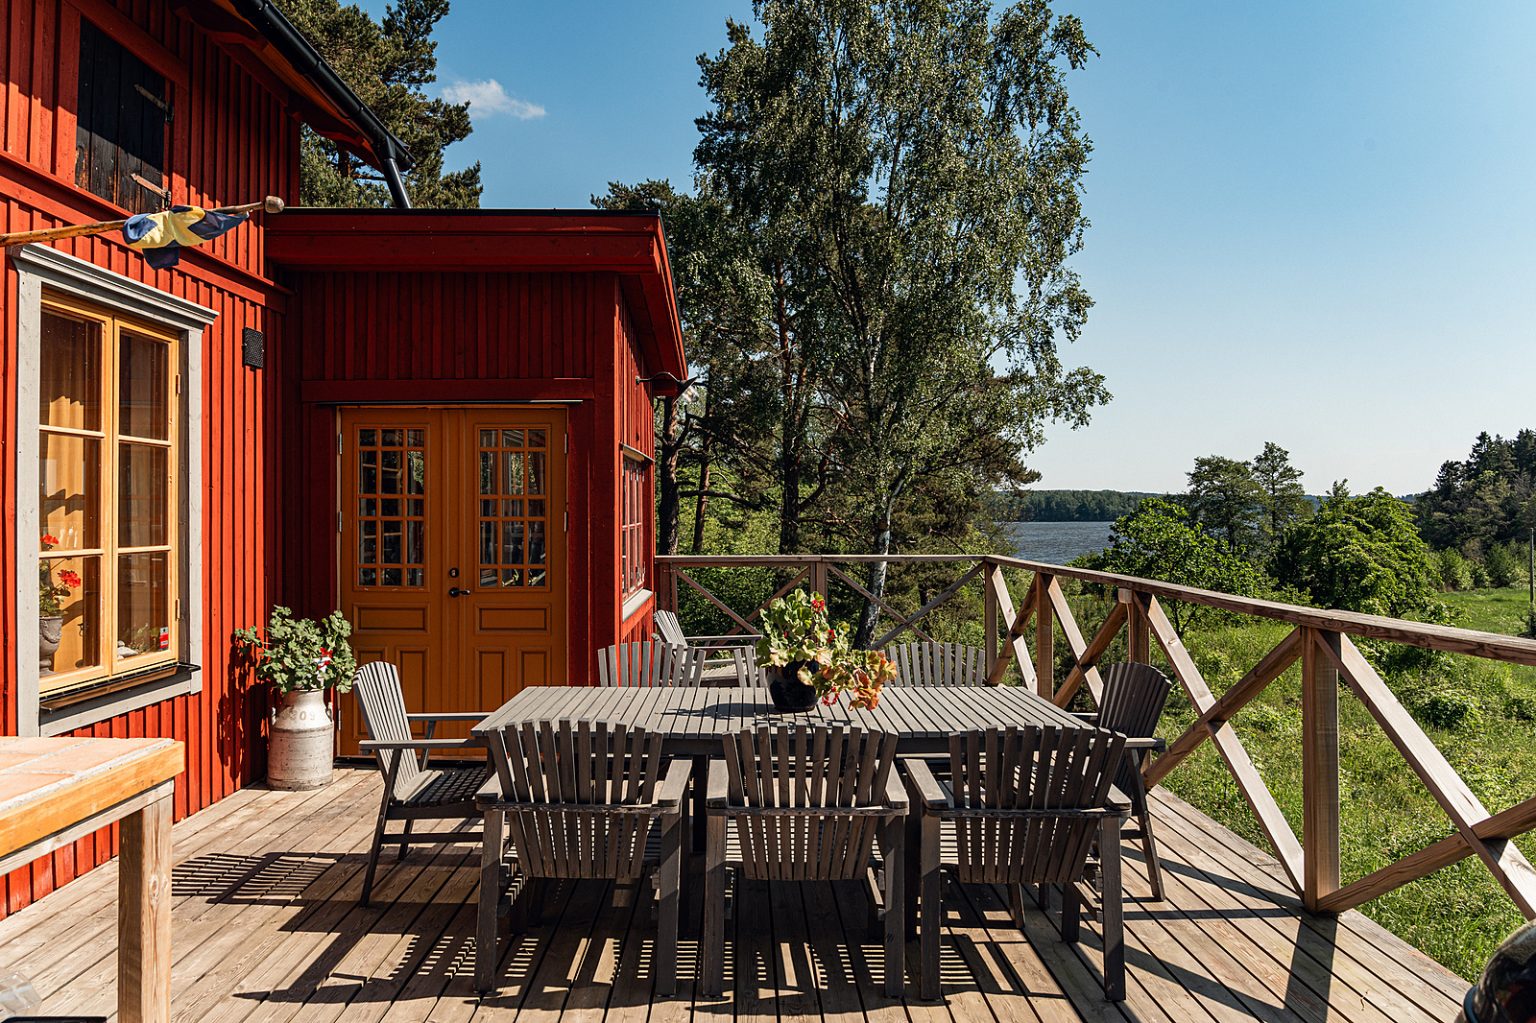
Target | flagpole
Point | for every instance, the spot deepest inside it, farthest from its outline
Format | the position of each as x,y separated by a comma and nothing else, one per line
271,204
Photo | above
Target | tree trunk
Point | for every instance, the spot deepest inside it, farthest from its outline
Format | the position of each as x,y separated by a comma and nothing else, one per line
789,501
701,505
667,486
874,580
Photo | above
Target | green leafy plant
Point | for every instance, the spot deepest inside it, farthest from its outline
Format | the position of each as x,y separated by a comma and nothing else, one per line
301,653
798,631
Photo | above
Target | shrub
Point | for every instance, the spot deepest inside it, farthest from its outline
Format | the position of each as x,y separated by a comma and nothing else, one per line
1505,565
1455,570
1447,709
1520,708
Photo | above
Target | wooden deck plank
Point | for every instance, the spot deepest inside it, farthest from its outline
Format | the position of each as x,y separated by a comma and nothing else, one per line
268,929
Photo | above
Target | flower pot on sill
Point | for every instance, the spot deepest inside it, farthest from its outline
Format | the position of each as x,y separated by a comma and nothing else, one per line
788,693
302,744
50,632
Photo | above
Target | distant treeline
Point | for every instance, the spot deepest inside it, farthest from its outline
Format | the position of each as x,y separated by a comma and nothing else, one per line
1065,505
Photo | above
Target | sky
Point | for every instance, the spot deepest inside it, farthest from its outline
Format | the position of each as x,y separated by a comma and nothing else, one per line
1312,223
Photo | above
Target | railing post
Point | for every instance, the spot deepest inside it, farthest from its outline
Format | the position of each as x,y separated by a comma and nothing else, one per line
819,575
1319,767
666,587
988,614
1045,638
1138,631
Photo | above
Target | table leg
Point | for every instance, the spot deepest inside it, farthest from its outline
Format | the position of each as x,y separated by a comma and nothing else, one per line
144,916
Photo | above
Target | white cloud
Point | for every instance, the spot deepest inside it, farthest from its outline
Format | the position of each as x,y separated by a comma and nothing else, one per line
488,98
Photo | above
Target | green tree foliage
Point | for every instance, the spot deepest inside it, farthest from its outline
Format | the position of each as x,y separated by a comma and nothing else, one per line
1487,499
910,177
1283,499
1160,540
1362,554
388,64
1064,505
1225,499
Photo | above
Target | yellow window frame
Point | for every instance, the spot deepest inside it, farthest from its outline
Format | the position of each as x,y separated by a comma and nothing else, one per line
108,550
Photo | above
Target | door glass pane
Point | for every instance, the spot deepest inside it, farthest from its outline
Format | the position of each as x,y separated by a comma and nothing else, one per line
144,386
143,604
513,529
391,530
143,495
70,372
69,614
69,497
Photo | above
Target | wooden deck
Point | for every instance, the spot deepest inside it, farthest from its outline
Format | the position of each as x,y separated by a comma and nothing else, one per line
267,928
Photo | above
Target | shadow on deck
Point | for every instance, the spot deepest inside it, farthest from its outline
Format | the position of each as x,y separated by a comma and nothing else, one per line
267,928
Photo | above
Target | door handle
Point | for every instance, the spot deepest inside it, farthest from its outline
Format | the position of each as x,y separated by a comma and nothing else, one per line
454,591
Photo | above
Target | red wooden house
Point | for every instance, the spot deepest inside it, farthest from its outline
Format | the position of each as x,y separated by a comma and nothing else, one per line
439,422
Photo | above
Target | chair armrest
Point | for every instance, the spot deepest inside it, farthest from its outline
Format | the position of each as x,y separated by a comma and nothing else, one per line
1150,742
490,792
674,784
923,785
723,642
456,715
1117,801
895,791
1092,717
380,745
718,791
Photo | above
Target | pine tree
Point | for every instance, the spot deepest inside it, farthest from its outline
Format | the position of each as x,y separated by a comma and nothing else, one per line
388,65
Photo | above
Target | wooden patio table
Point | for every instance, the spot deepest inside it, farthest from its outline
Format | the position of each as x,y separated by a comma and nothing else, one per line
53,791
693,720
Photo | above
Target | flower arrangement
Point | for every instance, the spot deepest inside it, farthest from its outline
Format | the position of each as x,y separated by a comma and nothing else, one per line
798,634
50,587
301,653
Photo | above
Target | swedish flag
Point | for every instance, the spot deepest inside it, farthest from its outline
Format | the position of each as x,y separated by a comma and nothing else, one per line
160,236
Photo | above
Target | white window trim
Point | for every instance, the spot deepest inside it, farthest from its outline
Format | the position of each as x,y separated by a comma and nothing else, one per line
39,267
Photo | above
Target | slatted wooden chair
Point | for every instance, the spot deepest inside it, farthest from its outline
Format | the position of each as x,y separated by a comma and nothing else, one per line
1133,702
1025,806
413,791
938,664
648,664
808,804
583,801
720,657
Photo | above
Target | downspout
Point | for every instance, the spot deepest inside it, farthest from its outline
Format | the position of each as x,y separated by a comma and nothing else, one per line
396,184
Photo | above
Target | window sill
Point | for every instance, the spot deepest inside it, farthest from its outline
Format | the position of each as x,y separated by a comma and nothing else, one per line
114,697
634,603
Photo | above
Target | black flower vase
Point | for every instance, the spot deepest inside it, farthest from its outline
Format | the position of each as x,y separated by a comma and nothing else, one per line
789,694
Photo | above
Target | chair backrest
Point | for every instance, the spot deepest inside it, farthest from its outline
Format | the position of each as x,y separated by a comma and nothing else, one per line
744,661
1132,704
778,778
648,664
1031,786
382,701
1133,700
669,629
581,796
938,664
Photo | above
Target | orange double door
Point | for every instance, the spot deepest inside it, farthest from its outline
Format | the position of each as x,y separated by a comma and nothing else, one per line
453,554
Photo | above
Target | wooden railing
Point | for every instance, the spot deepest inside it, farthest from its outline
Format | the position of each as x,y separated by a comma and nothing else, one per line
1322,640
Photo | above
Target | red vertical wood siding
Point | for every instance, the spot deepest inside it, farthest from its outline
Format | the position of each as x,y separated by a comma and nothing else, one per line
359,337
231,141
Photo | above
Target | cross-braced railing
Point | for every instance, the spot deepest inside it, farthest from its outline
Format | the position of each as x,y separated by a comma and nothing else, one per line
1020,635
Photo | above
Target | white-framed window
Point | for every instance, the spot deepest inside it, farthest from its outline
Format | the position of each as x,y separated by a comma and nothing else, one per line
108,473
634,524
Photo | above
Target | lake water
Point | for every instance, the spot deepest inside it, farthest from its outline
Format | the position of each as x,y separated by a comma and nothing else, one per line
1057,542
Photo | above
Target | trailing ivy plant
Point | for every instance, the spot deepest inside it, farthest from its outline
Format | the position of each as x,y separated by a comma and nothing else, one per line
301,653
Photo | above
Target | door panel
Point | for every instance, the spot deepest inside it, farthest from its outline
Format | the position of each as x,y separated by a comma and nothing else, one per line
468,596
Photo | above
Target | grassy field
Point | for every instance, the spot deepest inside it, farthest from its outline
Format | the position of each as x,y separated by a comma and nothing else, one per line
1482,715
